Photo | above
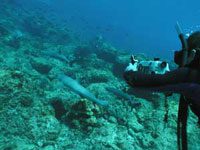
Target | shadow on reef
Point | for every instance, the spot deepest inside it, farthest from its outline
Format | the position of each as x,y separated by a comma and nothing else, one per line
59,109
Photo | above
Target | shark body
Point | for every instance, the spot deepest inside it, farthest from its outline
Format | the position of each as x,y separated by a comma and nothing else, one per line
124,96
80,90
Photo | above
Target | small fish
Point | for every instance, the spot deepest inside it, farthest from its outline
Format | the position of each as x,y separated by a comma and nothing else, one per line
80,90
123,95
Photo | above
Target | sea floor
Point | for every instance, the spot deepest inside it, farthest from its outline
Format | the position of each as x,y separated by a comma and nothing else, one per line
38,112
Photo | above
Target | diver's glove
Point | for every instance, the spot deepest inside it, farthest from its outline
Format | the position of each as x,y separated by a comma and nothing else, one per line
132,65
145,73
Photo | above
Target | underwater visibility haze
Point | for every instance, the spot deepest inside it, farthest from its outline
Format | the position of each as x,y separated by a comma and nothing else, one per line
62,82
139,26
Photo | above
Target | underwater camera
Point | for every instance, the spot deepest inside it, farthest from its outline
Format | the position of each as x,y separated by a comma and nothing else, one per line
155,66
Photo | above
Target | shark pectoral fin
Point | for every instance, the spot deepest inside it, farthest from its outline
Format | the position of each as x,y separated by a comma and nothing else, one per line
102,103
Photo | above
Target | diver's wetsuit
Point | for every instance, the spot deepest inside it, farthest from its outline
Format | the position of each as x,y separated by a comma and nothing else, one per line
180,75
190,73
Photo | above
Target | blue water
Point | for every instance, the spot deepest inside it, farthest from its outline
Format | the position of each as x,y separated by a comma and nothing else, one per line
40,110
136,26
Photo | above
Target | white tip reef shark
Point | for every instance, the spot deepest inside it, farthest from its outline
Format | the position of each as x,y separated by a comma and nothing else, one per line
80,90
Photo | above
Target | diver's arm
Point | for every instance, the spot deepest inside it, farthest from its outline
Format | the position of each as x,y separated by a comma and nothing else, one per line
180,75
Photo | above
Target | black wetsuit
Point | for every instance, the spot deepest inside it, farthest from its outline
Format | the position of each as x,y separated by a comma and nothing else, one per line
188,74
180,75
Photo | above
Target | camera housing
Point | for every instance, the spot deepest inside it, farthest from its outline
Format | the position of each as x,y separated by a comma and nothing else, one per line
155,66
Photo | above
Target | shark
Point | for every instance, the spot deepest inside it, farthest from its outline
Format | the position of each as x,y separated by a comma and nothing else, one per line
124,96
80,90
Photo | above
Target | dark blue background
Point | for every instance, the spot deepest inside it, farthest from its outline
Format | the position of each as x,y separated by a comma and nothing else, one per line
140,26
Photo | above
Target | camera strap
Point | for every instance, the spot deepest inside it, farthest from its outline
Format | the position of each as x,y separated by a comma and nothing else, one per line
182,124
183,105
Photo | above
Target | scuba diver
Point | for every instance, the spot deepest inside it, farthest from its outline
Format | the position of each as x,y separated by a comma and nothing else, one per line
185,79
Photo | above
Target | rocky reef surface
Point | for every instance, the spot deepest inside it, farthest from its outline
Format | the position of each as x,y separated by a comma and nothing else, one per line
38,112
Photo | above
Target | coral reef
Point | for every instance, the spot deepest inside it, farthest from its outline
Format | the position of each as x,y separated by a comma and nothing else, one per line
38,112
83,115
41,65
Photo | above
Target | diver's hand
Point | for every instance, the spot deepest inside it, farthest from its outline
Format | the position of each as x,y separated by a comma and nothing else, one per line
133,60
131,67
